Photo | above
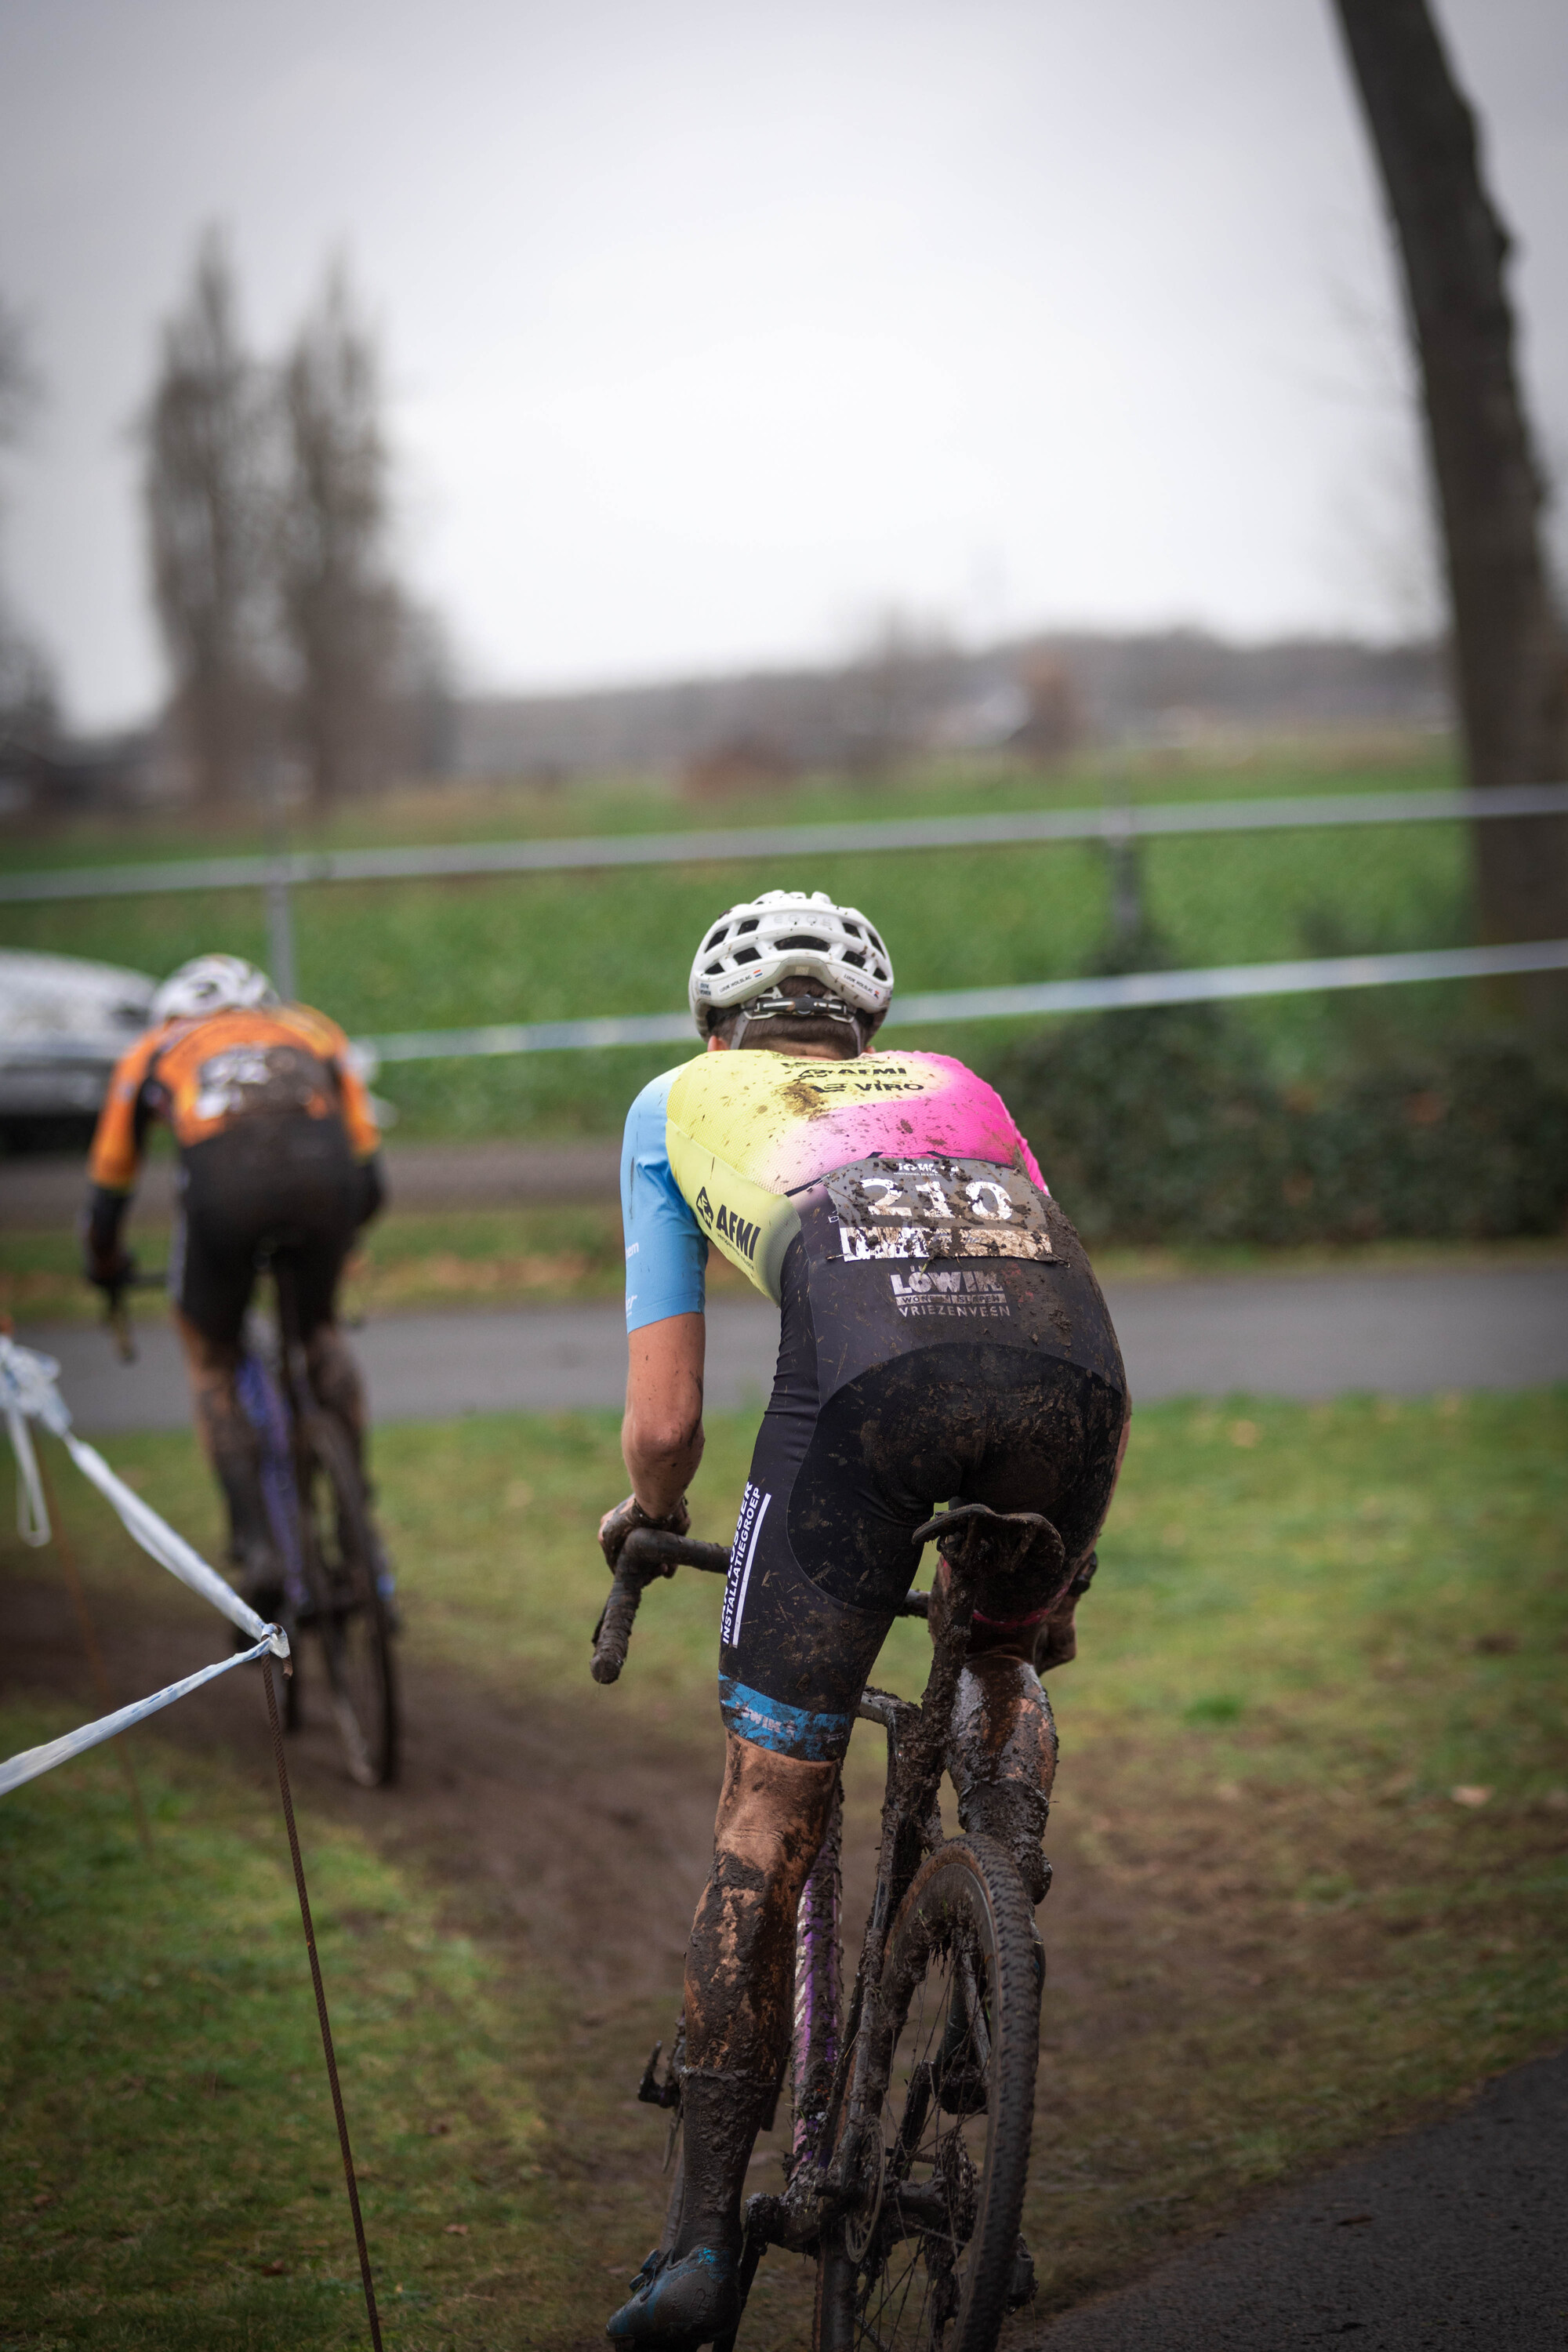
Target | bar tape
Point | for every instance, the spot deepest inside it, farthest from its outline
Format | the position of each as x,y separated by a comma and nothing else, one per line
28,1392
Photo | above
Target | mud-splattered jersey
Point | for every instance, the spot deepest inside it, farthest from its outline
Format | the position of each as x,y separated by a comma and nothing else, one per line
201,1075
905,1155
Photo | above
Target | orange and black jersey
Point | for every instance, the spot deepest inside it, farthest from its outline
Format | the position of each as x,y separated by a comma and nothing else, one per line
203,1075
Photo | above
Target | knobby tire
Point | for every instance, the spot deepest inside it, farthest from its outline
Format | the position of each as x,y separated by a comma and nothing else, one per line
346,1605
958,2047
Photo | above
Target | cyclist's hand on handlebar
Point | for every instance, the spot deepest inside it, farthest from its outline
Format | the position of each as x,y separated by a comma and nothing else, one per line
617,1525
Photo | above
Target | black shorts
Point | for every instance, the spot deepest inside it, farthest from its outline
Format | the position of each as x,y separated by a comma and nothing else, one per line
286,1181
900,1388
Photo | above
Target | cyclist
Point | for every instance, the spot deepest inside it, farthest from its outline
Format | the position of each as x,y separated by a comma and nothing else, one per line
277,1138
942,1339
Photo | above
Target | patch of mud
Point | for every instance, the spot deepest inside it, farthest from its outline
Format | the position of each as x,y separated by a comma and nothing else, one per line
581,1834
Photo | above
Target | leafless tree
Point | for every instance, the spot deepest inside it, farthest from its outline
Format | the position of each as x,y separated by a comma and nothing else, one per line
28,717
18,379
1508,640
342,616
205,492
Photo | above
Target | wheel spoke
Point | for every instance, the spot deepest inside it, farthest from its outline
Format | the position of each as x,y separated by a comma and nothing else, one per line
930,2273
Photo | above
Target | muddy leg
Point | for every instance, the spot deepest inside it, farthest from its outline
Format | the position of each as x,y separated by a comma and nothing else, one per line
773,1815
1002,1752
335,1379
234,1449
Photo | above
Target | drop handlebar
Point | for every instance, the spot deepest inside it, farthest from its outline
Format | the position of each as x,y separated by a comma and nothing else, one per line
646,1554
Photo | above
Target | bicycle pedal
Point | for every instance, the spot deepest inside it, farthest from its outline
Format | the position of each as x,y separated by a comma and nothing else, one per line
651,2091
1022,2284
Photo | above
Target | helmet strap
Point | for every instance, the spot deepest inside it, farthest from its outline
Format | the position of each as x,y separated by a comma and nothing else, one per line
774,1004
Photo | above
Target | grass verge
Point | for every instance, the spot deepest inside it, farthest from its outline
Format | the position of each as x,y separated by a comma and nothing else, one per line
169,2169
1309,1841
557,1255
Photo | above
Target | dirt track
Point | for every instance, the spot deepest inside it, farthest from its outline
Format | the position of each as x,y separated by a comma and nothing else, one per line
569,1835
575,1838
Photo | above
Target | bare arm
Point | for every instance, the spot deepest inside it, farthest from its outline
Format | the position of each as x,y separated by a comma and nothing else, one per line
661,1435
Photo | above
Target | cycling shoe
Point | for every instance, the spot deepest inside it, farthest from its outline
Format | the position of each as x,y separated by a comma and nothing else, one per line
677,2304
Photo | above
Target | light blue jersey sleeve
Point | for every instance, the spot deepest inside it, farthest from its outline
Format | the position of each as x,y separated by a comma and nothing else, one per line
667,1251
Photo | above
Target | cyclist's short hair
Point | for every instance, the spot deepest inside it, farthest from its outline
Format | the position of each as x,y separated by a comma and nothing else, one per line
755,1026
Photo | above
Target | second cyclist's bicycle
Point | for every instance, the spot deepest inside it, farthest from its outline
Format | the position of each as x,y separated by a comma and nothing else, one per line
912,2105
337,1589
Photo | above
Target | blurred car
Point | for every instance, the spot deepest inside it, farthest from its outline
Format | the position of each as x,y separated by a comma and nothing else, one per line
64,1023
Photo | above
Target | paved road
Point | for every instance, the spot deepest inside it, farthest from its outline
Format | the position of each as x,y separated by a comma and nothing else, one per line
1455,2237
1293,1336
43,1192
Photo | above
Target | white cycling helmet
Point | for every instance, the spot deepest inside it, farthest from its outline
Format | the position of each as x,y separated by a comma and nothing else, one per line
791,934
212,983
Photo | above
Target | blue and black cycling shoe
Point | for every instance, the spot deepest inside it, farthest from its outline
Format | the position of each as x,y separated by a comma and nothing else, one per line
679,2303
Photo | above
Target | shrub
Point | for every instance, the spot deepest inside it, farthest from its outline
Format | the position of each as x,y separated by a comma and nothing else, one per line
1165,1126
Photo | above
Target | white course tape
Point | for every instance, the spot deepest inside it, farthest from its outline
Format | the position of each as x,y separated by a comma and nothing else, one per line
32,1512
31,1761
28,1392
170,1550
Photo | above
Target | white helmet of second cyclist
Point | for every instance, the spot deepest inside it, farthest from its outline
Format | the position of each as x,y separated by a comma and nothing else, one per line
790,934
212,983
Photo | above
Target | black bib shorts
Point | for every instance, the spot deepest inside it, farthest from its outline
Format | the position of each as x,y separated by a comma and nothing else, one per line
904,1382
280,1178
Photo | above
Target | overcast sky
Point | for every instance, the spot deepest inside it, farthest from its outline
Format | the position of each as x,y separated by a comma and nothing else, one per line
714,327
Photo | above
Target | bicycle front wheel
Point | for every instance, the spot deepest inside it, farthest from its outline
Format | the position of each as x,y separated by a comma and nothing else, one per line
347,1611
927,2259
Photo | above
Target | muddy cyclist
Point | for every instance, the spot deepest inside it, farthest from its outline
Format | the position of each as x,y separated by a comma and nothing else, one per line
943,1339
277,1138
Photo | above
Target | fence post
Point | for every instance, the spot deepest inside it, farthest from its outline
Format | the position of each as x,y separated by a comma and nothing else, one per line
280,933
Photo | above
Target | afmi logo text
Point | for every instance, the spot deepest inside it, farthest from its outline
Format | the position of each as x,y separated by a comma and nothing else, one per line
959,1292
726,1227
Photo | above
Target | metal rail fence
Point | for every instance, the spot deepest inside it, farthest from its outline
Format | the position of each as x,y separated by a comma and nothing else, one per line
452,860
1116,825
1196,987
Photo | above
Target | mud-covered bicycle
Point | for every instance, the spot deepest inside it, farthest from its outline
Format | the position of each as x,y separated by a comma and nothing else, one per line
337,1588
913,2106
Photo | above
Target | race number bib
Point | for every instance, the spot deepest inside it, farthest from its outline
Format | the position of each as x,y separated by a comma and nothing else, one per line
937,1208
243,1079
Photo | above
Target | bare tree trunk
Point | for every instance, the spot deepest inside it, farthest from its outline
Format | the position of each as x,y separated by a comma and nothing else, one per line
204,500
340,605
1509,649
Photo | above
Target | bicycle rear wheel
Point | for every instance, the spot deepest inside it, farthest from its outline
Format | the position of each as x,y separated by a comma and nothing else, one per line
927,2259
347,1613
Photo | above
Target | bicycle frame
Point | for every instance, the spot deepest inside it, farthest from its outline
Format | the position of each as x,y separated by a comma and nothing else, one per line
832,2131
841,2076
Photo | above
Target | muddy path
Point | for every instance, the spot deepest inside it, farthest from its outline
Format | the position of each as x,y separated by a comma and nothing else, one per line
572,1836
560,1824
569,1834
569,1831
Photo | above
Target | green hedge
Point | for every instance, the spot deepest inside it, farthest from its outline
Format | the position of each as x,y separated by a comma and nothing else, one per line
1165,1125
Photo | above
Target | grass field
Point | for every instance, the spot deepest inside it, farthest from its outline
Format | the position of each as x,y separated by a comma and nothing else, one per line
431,955
1309,1841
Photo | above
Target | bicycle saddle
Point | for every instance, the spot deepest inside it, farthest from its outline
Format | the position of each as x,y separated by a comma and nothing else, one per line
980,1541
